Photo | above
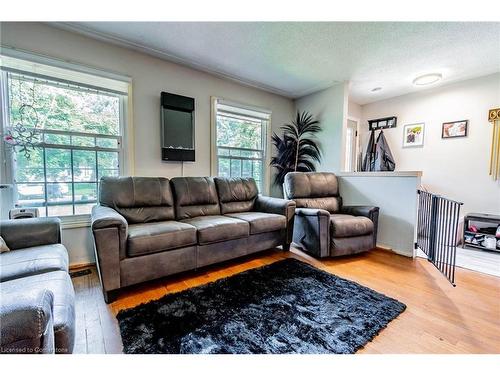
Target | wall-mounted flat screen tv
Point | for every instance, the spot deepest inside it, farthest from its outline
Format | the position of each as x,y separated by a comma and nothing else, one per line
177,127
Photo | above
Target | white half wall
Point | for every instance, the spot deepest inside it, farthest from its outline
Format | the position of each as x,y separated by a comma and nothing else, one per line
150,76
330,108
455,168
395,193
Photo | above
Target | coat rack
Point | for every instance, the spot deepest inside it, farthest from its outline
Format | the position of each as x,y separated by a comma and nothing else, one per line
382,123
494,118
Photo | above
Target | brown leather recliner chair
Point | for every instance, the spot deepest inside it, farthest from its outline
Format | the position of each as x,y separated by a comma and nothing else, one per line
323,226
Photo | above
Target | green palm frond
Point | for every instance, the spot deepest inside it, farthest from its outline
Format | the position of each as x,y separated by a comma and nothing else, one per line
297,150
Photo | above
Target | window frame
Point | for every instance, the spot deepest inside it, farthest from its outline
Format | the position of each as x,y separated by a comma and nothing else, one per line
243,111
124,163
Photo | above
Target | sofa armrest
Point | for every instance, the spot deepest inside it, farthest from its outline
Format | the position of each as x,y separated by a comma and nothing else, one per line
272,205
22,233
366,211
371,212
278,206
110,231
106,217
26,322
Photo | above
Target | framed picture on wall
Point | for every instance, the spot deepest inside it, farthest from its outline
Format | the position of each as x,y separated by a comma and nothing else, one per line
455,129
413,135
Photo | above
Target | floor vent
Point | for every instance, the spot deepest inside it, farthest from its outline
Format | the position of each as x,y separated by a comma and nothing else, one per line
80,273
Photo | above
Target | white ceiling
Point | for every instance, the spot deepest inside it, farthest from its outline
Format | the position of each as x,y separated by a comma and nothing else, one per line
294,58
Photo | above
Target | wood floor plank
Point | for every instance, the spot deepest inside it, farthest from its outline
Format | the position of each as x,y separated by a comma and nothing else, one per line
439,318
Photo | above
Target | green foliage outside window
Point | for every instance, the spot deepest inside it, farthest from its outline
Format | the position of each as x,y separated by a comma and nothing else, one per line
241,134
64,176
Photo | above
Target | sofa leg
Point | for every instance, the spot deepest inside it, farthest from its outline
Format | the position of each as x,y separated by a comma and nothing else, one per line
110,296
286,247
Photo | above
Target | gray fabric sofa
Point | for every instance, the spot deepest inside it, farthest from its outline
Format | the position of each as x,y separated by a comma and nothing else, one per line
37,304
149,227
324,227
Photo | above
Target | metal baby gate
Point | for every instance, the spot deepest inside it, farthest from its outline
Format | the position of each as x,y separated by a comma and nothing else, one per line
437,228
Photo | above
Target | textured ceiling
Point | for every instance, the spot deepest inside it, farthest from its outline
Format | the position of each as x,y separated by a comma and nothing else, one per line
295,58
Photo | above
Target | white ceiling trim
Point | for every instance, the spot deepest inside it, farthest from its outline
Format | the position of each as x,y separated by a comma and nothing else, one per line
166,56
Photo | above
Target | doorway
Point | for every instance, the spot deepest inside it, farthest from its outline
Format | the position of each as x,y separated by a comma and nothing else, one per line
351,145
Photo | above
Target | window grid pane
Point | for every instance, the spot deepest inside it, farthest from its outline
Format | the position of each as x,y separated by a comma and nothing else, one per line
240,146
77,144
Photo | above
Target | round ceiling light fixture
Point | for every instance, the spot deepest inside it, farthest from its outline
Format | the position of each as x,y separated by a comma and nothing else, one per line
375,89
427,79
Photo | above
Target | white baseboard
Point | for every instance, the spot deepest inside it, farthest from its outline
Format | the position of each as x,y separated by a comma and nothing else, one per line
399,252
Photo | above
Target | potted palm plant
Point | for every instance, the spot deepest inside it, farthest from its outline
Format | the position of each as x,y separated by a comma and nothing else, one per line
297,150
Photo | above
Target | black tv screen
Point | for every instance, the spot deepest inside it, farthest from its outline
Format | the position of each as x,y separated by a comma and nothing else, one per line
177,127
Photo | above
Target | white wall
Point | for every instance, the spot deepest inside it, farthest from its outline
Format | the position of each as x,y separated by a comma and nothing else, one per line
456,168
150,76
354,110
330,108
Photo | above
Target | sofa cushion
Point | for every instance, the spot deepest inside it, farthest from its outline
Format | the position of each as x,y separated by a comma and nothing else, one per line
330,204
154,237
311,184
42,231
59,283
350,226
261,222
195,196
313,190
236,194
33,260
138,199
218,228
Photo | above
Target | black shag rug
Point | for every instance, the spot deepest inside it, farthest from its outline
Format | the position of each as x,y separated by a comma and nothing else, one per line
285,307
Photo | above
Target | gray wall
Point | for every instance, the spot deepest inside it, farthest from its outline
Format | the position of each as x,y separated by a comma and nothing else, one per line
330,108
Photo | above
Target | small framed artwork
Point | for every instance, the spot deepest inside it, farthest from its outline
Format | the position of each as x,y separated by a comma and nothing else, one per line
455,129
413,135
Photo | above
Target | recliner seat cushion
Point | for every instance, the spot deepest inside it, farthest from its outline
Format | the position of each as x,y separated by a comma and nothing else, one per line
59,283
195,196
33,260
350,226
261,222
236,194
217,228
151,238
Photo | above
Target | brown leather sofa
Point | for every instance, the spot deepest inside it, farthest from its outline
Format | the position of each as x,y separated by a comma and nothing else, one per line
149,227
323,225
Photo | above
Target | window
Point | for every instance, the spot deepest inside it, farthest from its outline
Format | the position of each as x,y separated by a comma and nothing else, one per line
241,140
77,140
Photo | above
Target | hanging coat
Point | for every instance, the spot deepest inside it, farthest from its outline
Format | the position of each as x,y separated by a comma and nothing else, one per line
383,160
370,154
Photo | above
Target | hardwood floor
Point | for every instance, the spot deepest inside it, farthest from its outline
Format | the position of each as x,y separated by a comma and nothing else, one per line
439,318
